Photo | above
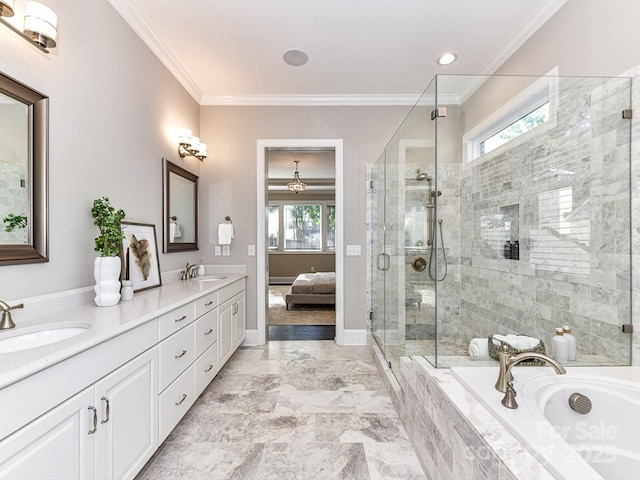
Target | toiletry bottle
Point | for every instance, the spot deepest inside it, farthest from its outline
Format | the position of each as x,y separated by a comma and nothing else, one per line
201,269
507,250
515,252
560,347
571,342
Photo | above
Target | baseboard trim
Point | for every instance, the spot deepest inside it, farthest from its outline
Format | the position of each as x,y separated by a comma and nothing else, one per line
251,338
355,337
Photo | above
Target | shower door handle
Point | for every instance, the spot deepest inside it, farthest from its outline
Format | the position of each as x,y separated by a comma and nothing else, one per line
386,262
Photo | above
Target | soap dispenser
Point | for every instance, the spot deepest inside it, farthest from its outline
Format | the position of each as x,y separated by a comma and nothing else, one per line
560,347
200,269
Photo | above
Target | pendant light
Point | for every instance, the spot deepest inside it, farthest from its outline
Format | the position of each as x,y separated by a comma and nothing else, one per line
296,185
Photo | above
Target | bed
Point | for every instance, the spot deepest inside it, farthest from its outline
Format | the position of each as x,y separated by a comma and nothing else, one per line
313,288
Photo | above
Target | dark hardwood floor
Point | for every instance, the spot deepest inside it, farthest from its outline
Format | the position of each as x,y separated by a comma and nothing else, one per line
302,332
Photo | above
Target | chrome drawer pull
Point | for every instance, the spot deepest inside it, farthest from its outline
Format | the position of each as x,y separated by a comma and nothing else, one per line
106,400
95,420
208,369
181,355
208,332
184,397
180,319
210,302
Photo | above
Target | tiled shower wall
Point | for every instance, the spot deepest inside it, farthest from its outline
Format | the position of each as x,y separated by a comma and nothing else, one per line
584,280
13,199
564,195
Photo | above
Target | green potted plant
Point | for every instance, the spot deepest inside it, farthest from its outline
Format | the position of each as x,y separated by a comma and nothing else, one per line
107,267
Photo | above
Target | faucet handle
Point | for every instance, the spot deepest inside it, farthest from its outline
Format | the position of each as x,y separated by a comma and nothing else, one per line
20,305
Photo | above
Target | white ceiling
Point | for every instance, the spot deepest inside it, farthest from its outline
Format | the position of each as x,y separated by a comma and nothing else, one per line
360,51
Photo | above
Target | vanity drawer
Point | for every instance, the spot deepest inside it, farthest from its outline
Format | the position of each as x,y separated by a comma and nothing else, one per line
225,293
206,304
206,331
176,353
206,368
175,401
176,319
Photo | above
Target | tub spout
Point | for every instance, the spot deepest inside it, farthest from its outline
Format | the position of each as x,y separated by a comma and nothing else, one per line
508,360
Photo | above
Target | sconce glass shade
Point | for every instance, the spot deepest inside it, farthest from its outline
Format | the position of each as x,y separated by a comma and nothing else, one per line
184,136
41,24
189,145
6,8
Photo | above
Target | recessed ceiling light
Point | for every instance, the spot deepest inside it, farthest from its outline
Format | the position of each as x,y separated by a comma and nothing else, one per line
447,59
295,58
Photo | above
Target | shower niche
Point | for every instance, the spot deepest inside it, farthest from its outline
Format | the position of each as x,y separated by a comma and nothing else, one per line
455,193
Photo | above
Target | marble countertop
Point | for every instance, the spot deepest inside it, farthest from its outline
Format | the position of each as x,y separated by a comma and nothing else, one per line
104,323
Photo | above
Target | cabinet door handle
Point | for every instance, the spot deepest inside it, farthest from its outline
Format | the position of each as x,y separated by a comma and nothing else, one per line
208,369
95,419
108,409
210,302
184,352
184,397
180,319
208,332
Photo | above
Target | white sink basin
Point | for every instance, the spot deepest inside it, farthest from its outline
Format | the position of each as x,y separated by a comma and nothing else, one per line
210,279
32,337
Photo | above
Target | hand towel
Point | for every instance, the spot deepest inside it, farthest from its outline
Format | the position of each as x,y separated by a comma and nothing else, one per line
478,347
225,233
519,342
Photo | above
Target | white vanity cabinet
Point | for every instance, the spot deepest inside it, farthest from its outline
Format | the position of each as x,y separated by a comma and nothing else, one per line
232,330
101,412
109,430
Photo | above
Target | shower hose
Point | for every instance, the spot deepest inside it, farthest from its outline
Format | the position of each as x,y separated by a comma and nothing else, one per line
434,274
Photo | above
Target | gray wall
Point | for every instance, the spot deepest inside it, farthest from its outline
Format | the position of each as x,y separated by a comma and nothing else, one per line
114,113
228,178
292,264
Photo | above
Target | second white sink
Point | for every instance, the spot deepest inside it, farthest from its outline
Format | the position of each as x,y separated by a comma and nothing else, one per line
32,337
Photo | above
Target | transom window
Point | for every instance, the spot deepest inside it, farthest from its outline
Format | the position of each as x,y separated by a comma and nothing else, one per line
530,121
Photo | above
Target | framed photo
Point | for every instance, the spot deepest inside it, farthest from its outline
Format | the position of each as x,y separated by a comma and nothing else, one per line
140,260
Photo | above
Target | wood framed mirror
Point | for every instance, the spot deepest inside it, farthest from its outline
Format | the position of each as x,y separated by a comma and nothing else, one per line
24,151
180,209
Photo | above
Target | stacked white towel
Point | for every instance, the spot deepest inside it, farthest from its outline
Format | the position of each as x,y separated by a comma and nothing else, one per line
479,347
225,233
519,342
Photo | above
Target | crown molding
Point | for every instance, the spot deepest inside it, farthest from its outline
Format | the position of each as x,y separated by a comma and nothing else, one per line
148,36
310,100
545,11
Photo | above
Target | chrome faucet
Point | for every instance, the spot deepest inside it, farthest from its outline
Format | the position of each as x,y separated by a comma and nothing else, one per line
7,322
190,271
505,379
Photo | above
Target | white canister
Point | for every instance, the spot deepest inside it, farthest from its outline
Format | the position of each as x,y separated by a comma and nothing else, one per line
571,341
126,293
560,347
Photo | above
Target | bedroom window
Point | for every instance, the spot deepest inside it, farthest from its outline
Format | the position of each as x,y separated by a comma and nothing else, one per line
273,226
297,226
302,227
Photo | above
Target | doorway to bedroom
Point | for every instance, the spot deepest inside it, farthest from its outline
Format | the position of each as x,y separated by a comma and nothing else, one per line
302,254
301,214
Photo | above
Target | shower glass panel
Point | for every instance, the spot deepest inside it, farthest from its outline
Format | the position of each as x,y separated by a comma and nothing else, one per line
507,210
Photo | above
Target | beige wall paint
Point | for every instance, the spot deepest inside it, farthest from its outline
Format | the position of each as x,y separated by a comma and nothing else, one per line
290,264
114,113
228,178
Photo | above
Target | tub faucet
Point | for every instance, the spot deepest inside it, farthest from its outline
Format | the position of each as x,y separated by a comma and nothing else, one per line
7,322
505,379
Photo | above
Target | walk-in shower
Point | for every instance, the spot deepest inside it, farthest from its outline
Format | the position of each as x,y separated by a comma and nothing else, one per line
536,164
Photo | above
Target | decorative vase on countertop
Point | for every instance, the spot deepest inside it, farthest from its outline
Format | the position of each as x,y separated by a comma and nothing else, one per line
106,272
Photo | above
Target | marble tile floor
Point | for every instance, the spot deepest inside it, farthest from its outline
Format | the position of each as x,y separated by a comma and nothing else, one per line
293,410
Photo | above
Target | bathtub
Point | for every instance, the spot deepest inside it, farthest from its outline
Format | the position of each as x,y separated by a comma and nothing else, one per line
602,444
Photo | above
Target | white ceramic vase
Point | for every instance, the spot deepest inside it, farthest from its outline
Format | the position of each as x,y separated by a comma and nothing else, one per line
106,272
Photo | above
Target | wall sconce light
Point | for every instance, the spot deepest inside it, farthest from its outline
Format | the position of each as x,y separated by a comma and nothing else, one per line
40,23
188,145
